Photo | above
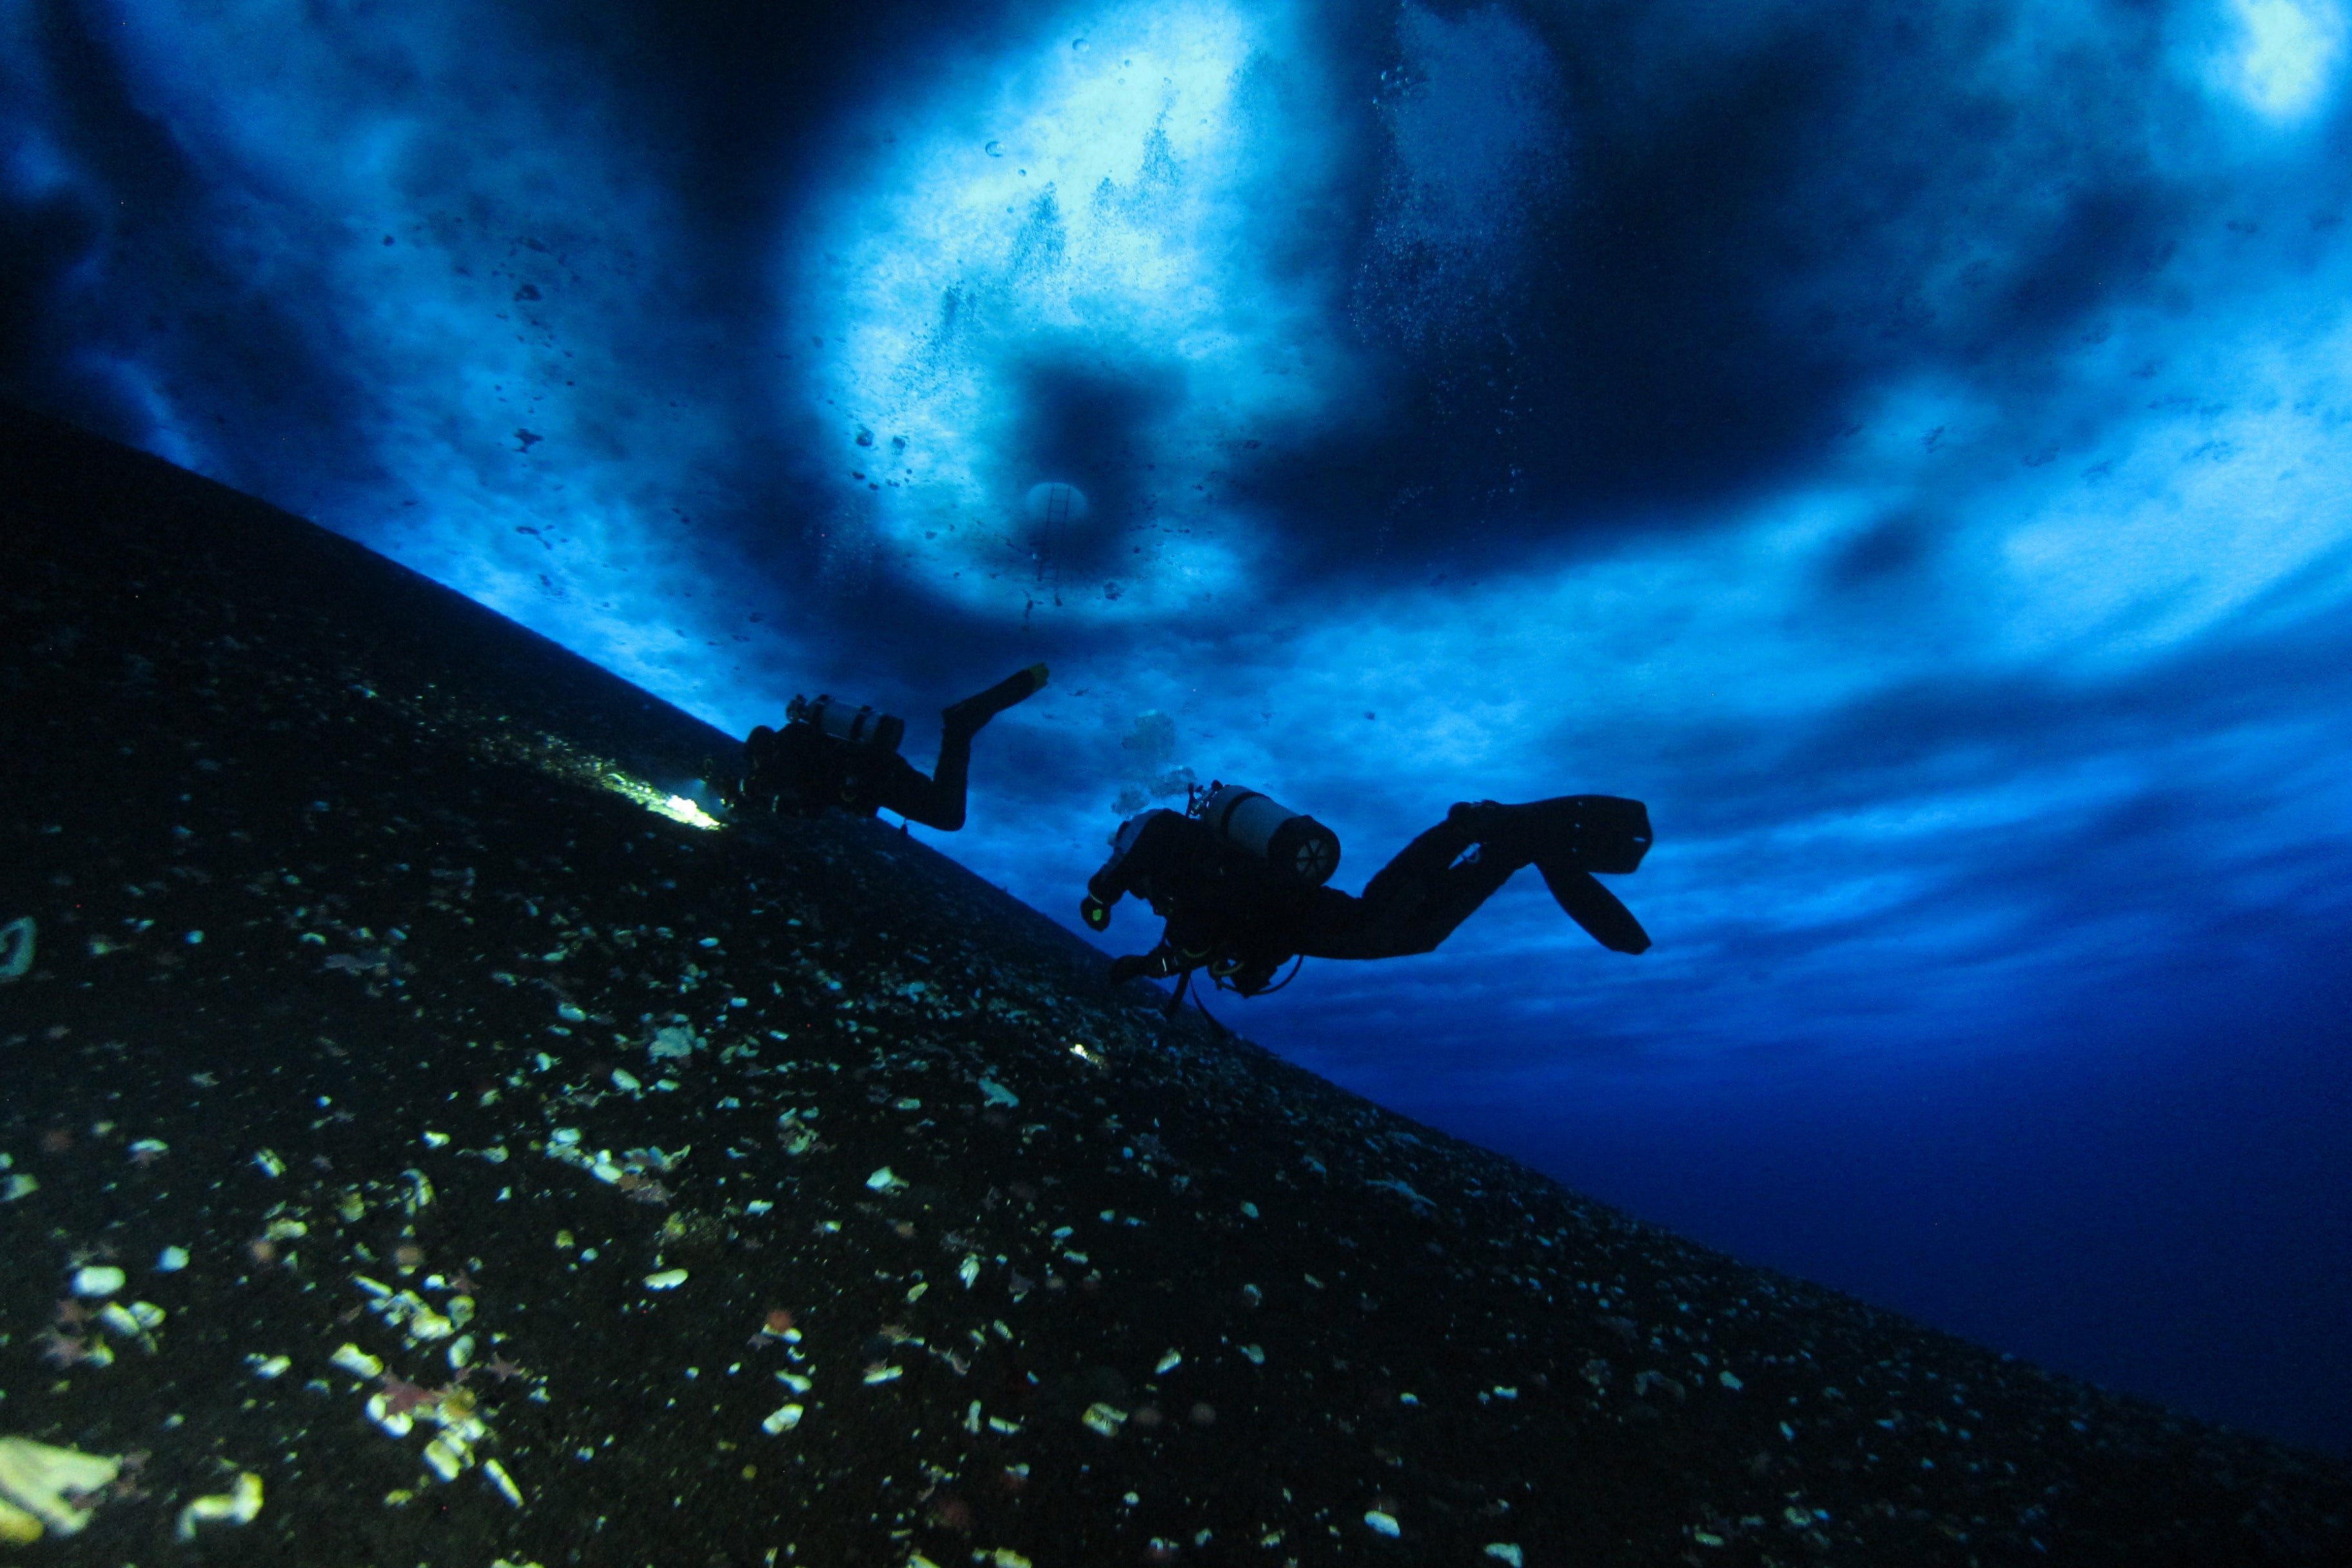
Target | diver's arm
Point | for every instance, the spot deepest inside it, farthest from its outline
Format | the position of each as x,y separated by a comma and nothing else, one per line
1103,890
1160,963
1142,848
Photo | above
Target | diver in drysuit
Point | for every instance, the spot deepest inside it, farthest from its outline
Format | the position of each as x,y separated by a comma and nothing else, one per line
1240,881
830,756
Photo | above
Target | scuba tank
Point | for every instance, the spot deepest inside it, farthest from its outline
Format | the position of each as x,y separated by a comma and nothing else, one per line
1295,844
856,726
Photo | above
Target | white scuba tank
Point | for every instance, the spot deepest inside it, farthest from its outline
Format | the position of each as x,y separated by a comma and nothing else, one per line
1294,844
858,726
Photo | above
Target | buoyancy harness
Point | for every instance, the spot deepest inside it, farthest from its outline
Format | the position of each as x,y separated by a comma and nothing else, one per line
1229,841
828,753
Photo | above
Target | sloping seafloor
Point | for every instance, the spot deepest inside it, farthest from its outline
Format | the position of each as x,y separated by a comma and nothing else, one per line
352,981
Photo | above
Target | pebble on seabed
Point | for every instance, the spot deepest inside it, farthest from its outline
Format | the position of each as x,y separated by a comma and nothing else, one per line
238,1505
37,1481
102,1279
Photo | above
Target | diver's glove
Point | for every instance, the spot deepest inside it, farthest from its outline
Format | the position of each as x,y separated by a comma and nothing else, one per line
1157,964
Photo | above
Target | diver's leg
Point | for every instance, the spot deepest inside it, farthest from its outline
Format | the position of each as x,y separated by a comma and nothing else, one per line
1333,924
1406,879
935,802
1415,900
1447,897
938,801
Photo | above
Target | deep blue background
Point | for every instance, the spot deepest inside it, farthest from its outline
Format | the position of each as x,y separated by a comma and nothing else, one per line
1907,446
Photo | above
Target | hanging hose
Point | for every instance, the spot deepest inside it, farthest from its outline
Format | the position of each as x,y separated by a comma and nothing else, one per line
1224,982
1299,964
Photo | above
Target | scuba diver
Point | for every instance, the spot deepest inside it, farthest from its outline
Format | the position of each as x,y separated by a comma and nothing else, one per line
830,756
1240,881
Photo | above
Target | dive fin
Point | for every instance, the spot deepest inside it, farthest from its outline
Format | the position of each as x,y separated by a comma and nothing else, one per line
1595,908
978,709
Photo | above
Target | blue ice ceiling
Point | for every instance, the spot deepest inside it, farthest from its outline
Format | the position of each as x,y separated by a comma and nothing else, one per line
1907,446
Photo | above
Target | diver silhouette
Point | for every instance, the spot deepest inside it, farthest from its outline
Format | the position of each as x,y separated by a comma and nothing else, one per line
830,756
1239,880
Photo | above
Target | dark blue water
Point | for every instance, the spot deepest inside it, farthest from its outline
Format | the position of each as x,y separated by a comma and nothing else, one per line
2148,1214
